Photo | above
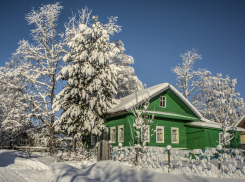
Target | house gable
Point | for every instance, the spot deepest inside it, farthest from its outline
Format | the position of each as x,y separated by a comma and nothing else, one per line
174,105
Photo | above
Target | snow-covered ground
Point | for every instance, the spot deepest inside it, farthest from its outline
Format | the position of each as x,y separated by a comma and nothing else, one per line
43,169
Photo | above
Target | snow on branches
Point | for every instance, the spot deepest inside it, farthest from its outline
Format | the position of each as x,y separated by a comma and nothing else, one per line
188,78
217,100
128,83
143,120
14,107
91,84
41,63
125,76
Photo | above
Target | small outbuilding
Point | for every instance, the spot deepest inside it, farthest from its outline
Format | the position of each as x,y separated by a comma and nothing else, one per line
241,124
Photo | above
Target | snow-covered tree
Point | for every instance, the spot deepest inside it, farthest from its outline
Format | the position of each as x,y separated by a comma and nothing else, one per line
143,120
15,109
142,123
41,63
39,134
218,101
91,84
188,78
127,81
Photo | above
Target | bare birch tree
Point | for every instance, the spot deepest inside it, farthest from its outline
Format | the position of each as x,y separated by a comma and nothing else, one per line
188,78
42,63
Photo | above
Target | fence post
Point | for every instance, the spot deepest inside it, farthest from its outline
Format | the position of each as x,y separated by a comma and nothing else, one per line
109,148
219,147
168,148
137,153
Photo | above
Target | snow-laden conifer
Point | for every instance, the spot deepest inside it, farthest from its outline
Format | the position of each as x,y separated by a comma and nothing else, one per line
91,84
126,79
128,82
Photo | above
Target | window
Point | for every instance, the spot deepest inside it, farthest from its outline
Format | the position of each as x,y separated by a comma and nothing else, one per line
160,134
175,135
113,134
120,133
99,138
227,138
92,140
105,136
146,133
163,101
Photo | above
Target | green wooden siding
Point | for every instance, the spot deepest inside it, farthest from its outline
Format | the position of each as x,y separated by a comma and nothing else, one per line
168,124
205,137
173,104
130,135
195,137
115,122
236,141
191,137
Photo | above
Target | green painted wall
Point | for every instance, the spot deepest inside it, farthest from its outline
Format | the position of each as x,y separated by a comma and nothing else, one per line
116,121
195,137
129,133
191,137
236,141
173,104
205,137
212,137
168,123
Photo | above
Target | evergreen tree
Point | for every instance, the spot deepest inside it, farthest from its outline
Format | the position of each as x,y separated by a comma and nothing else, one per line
91,84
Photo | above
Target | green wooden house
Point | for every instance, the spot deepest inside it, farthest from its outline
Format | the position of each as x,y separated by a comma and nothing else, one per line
176,122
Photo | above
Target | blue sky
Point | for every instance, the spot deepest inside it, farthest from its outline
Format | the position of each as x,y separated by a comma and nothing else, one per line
154,32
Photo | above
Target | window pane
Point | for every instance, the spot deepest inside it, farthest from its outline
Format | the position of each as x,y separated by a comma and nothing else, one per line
120,134
159,135
113,135
105,137
162,101
174,135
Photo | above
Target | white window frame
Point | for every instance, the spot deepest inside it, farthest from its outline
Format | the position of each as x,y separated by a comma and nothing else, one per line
105,135
226,136
119,127
173,128
99,138
165,100
148,135
111,128
162,128
92,140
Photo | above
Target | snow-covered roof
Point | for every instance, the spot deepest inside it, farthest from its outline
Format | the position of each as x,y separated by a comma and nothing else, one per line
128,102
240,121
214,125
63,137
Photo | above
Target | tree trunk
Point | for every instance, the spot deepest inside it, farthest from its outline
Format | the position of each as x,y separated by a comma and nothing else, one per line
11,144
51,142
74,143
84,140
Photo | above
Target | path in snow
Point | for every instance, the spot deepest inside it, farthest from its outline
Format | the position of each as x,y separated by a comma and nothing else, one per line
13,168
6,173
